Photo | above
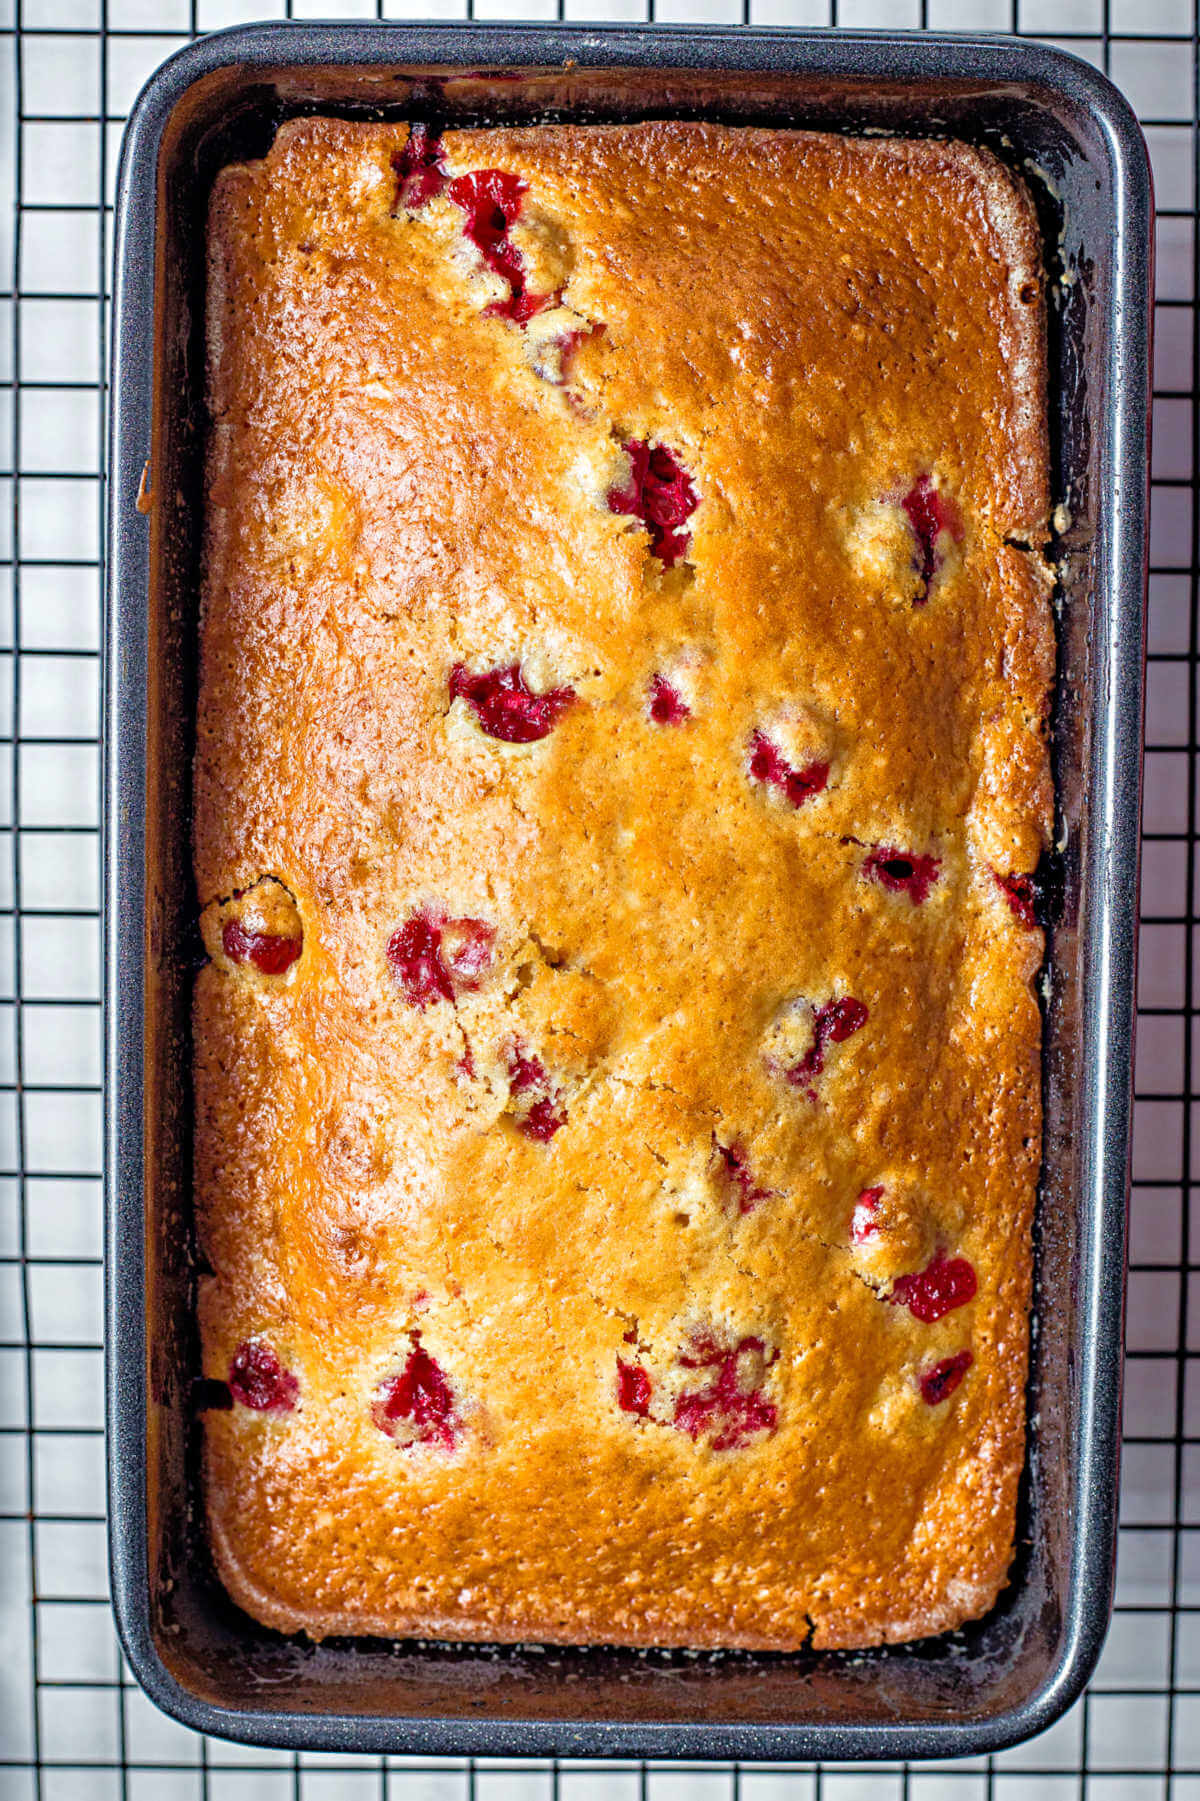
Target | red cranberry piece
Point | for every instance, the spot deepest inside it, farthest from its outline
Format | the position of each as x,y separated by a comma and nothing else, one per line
667,705
492,200
929,512
544,1118
930,1293
467,950
731,1412
433,958
420,169
833,1023
414,953
902,872
271,953
422,1397
749,1194
940,1382
257,1379
659,493
1020,891
568,343
768,765
524,1072
841,1019
633,1388
863,1222
521,307
505,707
543,1113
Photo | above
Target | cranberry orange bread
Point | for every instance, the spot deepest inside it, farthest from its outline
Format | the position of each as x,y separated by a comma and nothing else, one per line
621,772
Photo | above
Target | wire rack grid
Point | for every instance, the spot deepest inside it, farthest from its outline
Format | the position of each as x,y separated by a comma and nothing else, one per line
73,1726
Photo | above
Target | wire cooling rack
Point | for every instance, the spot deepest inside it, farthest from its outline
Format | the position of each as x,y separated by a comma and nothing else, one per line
73,1726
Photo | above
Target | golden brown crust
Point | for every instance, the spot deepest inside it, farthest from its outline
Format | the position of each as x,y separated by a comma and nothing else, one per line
813,325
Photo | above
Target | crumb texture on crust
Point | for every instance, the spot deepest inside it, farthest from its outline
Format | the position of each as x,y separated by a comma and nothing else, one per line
621,775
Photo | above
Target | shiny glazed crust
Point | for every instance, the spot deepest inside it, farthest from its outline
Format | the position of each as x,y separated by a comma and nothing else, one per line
402,482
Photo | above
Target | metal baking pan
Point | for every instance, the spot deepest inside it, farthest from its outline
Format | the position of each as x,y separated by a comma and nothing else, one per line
1073,136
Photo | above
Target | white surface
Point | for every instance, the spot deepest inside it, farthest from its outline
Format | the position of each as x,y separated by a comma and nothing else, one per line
1145,1703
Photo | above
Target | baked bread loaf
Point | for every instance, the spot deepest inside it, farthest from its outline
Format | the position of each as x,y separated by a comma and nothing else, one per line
621,774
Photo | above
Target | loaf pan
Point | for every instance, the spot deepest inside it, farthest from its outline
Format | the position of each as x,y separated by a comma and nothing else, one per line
1075,140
